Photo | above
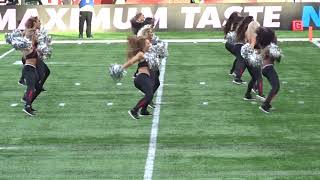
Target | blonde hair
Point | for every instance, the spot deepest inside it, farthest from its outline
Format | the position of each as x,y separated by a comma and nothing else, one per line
251,30
144,31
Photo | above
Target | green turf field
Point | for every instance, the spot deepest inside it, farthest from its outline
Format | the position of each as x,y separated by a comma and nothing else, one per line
4,48
88,138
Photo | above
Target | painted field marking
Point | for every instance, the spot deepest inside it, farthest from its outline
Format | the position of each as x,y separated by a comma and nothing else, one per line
148,169
6,53
14,105
62,104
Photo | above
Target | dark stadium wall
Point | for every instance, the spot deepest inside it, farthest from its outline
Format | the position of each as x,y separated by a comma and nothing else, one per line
182,17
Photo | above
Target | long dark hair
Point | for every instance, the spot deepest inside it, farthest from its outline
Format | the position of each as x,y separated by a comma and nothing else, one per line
136,26
241,30
149,20
236,23
135,45
266,36
229,26
134,19
30,31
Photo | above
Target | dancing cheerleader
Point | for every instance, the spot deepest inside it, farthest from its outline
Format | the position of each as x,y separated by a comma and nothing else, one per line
229,32
34,45
147,32
138,22
29,70
42,68
253,62
138,53
270,52
158,48
240,41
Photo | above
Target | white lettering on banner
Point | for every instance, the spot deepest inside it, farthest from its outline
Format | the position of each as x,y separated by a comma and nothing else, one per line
253,11
56,18
160,16
74,19
269,15
102,18
209,17
190,13
8,18
29,13
146,11
117,19
229,11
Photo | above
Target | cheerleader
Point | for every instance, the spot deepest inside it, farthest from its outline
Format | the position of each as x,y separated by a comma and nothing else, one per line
229,34
240,41
158,48
29,70
42,69
252,62
147,32
266,43
143,81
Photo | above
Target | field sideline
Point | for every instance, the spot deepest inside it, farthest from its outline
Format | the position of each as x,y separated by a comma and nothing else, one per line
82,130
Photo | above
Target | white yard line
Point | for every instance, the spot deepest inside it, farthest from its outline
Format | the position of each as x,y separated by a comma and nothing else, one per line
316,42
6,53
148,169
9,148
296,39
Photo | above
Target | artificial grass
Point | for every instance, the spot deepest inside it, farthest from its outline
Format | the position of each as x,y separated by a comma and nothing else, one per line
88,138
